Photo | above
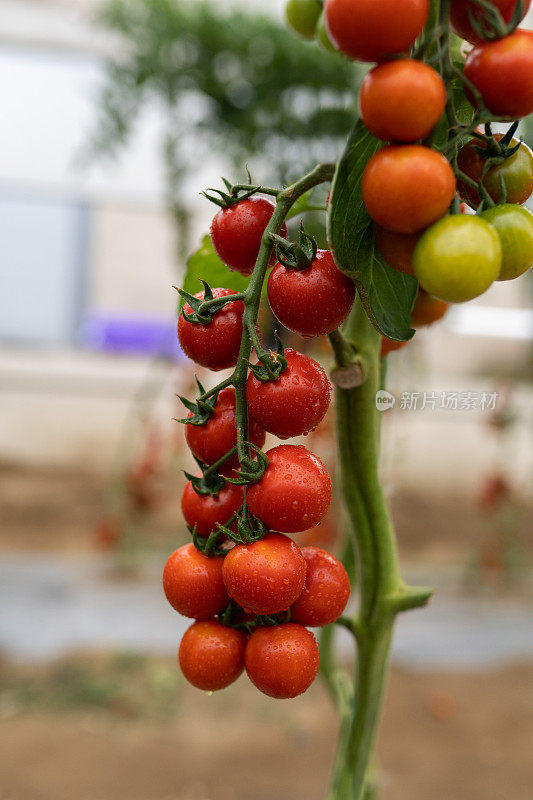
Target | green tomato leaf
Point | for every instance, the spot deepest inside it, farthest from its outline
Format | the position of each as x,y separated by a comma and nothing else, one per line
205,264
387,295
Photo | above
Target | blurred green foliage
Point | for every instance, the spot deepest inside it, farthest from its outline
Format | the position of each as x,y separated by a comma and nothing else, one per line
232,82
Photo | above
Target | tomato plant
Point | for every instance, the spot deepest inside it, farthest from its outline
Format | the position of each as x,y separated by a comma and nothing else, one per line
401,249
211,655
313,300
266,576
402,101
282,662
193,583
295,402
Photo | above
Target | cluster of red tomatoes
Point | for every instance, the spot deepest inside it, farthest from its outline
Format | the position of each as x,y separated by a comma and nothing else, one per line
408,186
256,583
252,600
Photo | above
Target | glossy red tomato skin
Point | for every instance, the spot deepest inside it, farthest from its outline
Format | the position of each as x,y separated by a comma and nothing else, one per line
516,172
205,511
397,248
326,590
293,404
502,71
402,101
211,441
389,345
427,309
369,31
211,656
295,491
407,188
237,232
215,346
460,11
193,583
266,576
282,661
312,301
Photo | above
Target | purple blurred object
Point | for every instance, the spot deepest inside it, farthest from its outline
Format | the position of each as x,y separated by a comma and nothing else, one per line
147,336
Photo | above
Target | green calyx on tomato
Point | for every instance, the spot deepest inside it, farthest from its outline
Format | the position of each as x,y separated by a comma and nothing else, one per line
514,226
458,258
303,16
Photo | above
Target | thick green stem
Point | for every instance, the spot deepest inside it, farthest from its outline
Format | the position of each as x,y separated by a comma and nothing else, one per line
382,593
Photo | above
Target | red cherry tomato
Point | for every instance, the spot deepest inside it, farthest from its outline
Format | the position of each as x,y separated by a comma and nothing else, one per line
211,441
193,583
296,402
326,590
216,345
461,10
402,101
427,309
282,661
265,576
312,301
502,71
397,248
237,232
370,31
295,491
211,656
407,188
389,345
205,510
516,172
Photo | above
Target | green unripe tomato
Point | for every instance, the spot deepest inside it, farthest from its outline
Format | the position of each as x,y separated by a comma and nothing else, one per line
322,36
514,225
458,258
302,16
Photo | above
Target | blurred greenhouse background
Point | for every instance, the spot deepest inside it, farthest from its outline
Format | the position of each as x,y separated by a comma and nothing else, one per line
116,116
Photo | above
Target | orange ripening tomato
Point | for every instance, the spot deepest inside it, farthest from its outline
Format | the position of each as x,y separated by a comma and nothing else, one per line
402,101
389,345
397,248
406,188
427,309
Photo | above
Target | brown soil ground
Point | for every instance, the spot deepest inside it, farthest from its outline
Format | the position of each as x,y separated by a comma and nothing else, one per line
444,737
